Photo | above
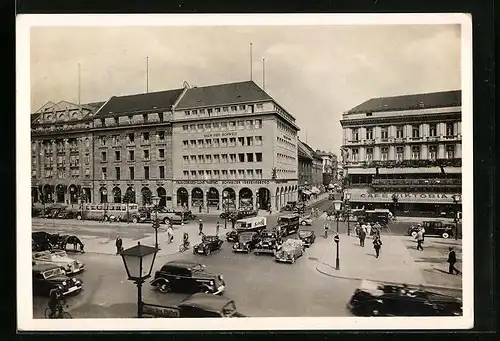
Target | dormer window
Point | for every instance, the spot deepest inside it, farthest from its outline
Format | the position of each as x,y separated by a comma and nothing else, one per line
369,114
103,122
145,117
187,112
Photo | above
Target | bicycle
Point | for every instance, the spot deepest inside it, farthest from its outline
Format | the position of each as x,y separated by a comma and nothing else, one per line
60,313
184,246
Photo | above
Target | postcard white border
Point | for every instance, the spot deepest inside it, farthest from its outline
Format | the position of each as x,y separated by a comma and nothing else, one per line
24,295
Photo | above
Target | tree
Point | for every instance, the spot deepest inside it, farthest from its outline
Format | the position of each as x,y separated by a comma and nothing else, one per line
147,196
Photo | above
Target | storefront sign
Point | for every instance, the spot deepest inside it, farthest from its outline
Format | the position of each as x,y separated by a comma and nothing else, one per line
432,198
159,311
408,195
223,182
221,134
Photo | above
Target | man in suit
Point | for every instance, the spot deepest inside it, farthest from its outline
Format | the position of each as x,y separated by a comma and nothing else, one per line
452,259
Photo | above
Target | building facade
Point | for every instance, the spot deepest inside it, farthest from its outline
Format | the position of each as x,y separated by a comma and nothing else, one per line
404,153
62,153
233,144
305,165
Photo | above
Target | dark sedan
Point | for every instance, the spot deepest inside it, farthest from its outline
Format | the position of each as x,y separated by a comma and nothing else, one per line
307,236
374,299
247,241
207,245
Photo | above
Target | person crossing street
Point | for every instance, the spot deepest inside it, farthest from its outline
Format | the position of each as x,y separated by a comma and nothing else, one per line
200,227
420,239
377,244
452,259
217,227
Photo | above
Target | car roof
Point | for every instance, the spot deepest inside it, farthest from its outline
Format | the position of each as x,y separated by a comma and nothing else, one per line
289,216
44,267
204,301
181,264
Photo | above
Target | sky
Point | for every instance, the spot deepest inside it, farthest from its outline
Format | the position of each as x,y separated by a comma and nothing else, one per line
315,72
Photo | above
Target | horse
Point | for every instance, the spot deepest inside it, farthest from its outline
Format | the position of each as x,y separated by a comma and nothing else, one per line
77,243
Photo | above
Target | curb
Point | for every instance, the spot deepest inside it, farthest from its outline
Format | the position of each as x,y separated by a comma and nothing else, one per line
390,283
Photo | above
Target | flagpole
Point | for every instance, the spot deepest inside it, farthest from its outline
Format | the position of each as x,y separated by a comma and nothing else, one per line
79,85
147,74
263,73
251,62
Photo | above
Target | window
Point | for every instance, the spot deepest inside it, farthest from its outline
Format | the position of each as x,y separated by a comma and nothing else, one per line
209,174
355,134
210,110
258,140
223,142
260,106
225,109
415,153
384,153
193,143
450,129
232,173
258,173
117,121
432,152
103,157
223,125
192,127
432,129
146,172
415,131
224,158
242,107
201,174
193,174
208,126
130,118
187,112
217,110
241,157
161,135
399,154
241,173
216,143
250,173
232,141
185,127
145,154
249,157
162,172
145,118
193,158
399,132
216,173
258,123
232,125
355,154
194,112
384,133
232,157
131,155
103,141
202,111
199,126
117,172
450,151
234,108
258,157
87,172
117,155
215,125
104,173
369,154
86,158
216,158
200,143
241,141
185,174
185,144
224,173
208,143
145,137
208,158
369,133
103,122
162,153
249,124
250,140
185,159
201,159
131,138
160,116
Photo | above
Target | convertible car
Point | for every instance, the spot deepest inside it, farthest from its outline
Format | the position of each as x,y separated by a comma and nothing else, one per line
289,251
307,236
207,245
374,299
59,258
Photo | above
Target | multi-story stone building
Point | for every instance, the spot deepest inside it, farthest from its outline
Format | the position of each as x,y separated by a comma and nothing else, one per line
329,167
62,153
304,166
233,144
404,153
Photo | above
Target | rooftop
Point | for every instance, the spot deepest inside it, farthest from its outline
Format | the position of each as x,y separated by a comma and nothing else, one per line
222,94
408,102
140,102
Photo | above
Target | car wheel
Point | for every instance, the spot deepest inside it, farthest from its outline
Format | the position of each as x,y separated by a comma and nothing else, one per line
303,223
208,251
166,221
79,217
414,234
163,288
445,235
134,220
105,218
293,260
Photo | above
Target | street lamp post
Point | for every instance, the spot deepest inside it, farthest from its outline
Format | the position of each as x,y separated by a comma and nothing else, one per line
224,201
208,191
138,261
105,194
337,205
347,197
156,223
456,199
337,259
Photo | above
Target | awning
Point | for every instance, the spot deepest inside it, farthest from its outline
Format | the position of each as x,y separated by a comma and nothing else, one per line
355,171
306,192
410,170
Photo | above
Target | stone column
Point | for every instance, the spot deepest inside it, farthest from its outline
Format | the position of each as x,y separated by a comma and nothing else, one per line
424,155
392,153
254,199
407,152
237,203
54,158
188,205
440,151
376,153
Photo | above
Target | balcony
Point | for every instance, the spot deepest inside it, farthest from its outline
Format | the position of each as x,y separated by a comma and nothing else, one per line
416,183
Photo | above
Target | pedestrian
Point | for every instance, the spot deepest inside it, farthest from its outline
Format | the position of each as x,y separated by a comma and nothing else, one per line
170,234
217,228
368,230
362,236
118,245
423,234
452,259
377,244
420,238
199,208
200,226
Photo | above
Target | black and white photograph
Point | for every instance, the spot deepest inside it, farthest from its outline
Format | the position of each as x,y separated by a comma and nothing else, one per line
276,171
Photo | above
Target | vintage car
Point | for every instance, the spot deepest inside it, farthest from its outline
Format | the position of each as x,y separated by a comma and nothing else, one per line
288,224
255,224
169,216
289,251
269,242
247,241
289,206
66,214
59,258
194,306
41,241
374,299
208,244
305,220
307,236
433,228
180,276
48,276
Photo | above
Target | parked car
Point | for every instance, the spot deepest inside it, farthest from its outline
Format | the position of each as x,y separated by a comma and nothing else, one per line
289,206
434,228
194,306
170,217
269,242
208,244
59,258
246,212
48,276
374,299
255,224
247,241
41,241
66,214
307,236
288,224
289,251
305,221
180,276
